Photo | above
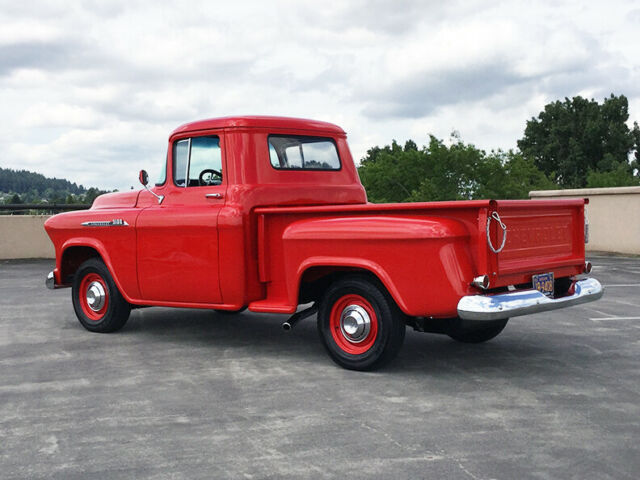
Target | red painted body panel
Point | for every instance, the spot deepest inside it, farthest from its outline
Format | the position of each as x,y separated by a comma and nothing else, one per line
116,245
116,200
268,230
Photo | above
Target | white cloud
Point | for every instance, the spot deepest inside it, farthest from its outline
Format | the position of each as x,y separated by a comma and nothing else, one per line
60,115
91,90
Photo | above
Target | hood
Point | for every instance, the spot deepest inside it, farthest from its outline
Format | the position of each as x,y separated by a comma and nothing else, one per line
118,199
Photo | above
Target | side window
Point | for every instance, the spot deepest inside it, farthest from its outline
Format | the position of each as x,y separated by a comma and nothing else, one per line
162,176
294,152
206,162
180,161
199,159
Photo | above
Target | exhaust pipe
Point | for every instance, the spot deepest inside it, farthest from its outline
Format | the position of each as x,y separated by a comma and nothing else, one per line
296,317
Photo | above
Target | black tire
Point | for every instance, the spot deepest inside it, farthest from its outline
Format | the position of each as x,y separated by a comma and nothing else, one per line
381,344
116,309
475,331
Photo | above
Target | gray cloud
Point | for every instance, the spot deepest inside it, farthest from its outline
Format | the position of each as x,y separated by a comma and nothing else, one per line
496,80
419,96
91,90
41,55
396,18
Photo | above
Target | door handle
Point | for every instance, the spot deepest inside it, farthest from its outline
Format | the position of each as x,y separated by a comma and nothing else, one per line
213,195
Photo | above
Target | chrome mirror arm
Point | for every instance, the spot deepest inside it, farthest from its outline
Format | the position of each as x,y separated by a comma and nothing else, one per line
143,176
159,197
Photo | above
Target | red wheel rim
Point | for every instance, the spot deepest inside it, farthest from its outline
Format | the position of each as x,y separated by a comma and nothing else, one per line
93,296
348,321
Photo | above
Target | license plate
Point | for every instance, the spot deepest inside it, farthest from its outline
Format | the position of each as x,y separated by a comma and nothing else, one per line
543,283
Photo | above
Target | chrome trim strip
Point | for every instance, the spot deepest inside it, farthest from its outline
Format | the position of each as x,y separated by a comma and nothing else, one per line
525,302
116,222
186,174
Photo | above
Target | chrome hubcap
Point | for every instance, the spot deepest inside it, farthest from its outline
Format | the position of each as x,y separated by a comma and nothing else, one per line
95,296
355,323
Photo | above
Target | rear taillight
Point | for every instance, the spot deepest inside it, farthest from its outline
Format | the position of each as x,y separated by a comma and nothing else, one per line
481,281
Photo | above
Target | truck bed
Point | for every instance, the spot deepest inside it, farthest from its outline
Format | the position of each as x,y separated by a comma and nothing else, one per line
412,247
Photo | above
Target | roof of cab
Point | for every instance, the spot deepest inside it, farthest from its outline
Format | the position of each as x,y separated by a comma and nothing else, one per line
259,121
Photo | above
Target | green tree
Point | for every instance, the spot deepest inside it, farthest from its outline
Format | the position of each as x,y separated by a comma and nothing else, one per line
389,174
509,175
616,178
91,195
440,172
572,138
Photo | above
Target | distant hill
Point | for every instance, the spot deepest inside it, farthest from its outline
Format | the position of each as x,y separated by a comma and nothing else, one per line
24,181
23,186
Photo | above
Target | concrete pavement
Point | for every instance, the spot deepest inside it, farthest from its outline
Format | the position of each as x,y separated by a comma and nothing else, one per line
194,394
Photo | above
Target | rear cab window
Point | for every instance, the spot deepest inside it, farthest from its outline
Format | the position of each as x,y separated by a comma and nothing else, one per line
299,152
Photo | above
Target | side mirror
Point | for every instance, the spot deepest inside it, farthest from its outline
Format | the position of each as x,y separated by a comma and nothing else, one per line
143,176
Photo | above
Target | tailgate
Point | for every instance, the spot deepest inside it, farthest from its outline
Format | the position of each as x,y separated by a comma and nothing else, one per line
542,236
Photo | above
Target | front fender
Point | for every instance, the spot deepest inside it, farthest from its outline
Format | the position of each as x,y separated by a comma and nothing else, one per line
129,289
111,232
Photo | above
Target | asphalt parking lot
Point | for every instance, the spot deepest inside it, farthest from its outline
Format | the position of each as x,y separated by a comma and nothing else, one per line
195,394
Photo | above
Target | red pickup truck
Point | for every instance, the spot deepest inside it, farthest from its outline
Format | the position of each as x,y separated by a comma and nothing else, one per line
269,213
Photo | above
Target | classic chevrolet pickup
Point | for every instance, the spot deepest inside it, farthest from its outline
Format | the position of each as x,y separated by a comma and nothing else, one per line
268,213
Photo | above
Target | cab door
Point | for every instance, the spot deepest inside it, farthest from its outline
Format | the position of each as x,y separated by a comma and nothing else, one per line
177,240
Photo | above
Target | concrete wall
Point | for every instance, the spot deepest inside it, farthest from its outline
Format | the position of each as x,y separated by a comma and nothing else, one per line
613,213
23,236
614,219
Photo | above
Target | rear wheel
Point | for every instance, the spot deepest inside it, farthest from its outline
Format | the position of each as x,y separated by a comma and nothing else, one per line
359,324
99,305
476,331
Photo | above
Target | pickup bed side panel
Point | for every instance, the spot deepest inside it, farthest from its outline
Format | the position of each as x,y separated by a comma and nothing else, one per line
426,254
423,262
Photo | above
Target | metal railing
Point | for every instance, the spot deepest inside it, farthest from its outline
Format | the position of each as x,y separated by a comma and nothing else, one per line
42,207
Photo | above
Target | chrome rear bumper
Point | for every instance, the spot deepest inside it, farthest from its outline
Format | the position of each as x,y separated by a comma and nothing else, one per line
525,302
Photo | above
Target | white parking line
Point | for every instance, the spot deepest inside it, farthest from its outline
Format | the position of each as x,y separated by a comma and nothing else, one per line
623,285
613,318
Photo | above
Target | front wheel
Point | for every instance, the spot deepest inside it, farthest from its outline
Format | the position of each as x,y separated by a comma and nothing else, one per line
476,331
359,323
99,305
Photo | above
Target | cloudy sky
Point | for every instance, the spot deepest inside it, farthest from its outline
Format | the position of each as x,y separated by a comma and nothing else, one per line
90,90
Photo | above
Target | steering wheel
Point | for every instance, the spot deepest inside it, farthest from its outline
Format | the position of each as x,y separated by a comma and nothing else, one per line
209,181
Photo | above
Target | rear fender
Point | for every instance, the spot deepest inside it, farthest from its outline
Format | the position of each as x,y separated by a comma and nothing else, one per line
355,265
424,263
374,228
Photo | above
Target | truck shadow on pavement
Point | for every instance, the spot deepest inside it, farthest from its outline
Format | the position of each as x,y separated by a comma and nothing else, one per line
519,352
